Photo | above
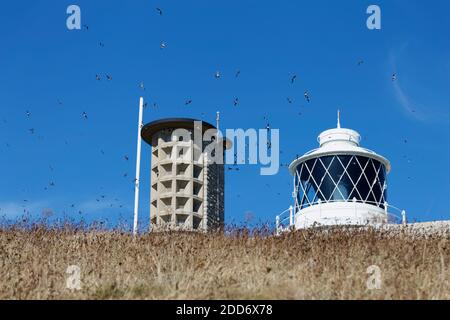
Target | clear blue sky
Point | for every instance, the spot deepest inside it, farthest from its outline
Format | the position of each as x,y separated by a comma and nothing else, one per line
50,71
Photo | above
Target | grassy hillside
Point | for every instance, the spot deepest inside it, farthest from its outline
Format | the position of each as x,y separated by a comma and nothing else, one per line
300,265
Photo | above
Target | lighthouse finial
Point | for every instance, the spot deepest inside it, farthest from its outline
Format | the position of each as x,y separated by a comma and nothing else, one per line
339,119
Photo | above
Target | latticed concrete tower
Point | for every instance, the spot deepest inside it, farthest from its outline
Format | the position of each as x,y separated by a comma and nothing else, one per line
187,189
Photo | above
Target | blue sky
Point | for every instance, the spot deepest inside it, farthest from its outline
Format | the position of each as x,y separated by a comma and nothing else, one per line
50,71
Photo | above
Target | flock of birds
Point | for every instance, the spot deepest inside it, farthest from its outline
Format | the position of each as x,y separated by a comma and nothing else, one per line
187,102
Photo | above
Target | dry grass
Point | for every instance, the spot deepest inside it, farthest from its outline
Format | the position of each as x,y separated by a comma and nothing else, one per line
300,265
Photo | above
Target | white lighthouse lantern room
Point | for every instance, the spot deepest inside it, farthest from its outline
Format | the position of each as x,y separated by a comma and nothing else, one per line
339,183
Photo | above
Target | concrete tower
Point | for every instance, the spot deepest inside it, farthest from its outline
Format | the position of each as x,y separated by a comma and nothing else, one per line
187,187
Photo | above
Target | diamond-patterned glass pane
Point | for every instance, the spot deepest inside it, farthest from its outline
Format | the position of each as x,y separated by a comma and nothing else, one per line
378,193
326,189
363,188
336,172
327,160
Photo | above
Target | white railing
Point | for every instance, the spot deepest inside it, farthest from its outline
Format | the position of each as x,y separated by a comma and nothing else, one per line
285,221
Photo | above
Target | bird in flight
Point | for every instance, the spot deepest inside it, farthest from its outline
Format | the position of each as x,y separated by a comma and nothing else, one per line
236,101
28,113
238,72
162,45
102,44
360,62
293,78
31,130
126,158
108,77
141,85
289,100
97,77
84,115
306,94
217,75
159,11
394,77
86,26
187,102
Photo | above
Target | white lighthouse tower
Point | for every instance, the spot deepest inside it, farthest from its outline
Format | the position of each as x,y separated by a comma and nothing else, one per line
339,183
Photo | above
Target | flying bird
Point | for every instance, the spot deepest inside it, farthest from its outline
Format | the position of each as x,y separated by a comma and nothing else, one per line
102,44
97,77
31,130
306,94
394,77
108,77
28,113
217,75
289,100
236,101
126,158
141,86
159,11
238,72
294,77
162,45
360,62
84,115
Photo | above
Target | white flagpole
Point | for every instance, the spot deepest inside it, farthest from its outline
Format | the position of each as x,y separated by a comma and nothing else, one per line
138,167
